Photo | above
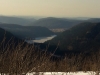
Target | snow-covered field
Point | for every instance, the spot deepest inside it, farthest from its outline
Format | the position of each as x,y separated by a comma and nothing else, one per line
64,73
61,73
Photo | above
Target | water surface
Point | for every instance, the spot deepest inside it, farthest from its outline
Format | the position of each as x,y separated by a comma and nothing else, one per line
41,39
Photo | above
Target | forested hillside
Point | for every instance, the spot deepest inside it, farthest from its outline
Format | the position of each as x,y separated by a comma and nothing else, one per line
27,32
82,37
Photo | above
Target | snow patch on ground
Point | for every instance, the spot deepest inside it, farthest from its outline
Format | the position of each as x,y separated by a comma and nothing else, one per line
63,73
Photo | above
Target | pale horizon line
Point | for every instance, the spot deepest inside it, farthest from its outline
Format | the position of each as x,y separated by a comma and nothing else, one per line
46,16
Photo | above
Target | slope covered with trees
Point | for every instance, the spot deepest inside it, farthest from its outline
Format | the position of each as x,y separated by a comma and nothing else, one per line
6,38
82,37
24,32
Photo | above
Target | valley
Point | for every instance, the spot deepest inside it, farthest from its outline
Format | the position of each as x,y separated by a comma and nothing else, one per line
49,37
50,40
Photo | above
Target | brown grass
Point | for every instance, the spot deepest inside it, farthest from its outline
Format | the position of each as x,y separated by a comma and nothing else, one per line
27,58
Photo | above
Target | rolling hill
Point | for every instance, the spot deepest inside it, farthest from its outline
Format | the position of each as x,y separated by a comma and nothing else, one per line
15,20
51,22
27,32
82,37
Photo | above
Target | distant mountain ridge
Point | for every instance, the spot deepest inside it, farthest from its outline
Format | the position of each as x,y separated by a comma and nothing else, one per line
95,20
52,22
49,22
15,20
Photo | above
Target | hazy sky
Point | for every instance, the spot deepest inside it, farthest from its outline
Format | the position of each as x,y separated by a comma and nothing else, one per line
52,8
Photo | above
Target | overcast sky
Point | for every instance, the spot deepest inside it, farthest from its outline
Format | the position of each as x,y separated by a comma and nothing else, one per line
51,8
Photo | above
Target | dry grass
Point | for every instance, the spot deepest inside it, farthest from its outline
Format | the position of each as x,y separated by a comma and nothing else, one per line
27,58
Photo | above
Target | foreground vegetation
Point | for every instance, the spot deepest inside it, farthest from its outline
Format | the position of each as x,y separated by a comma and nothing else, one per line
25,58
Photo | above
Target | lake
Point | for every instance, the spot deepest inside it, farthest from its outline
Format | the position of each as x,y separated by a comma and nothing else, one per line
41,39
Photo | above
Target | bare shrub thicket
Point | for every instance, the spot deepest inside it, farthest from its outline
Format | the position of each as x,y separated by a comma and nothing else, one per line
24,58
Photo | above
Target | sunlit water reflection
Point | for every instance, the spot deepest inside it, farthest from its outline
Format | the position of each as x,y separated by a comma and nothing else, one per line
41,39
